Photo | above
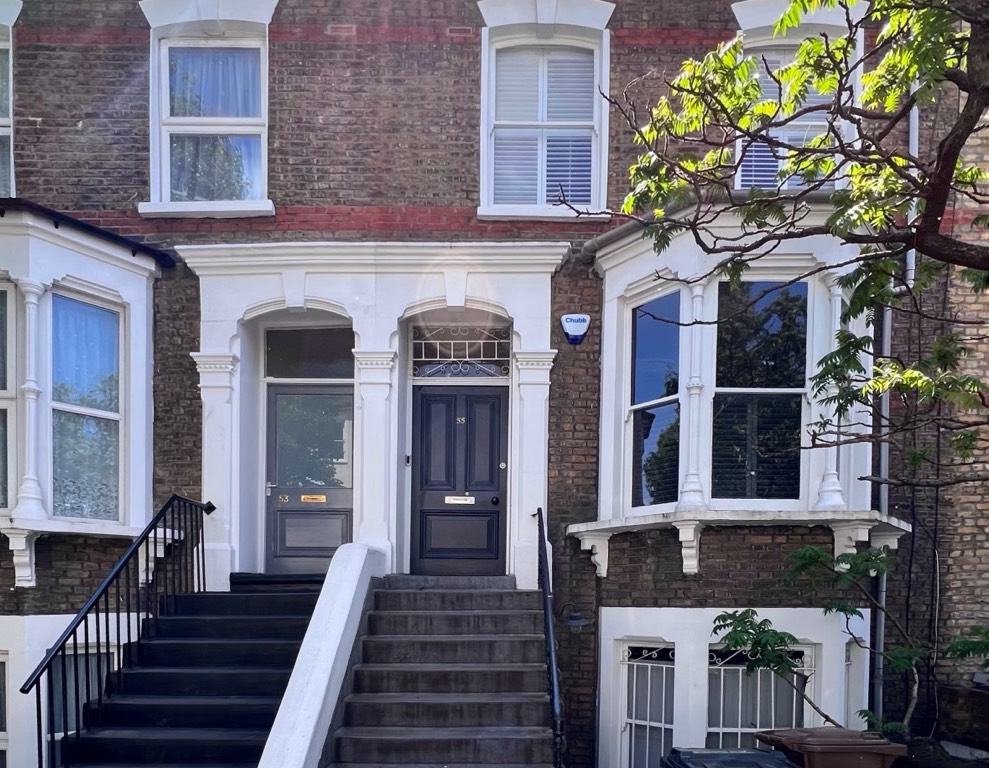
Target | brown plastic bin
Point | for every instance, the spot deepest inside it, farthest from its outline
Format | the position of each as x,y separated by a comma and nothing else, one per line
834,747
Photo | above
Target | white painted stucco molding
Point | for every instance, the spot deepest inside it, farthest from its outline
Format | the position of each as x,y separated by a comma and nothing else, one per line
306,712
849,527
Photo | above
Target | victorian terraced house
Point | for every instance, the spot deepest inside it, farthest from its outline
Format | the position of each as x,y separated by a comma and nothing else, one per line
306,262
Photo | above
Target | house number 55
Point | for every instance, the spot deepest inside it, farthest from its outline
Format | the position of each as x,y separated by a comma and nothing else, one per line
461,419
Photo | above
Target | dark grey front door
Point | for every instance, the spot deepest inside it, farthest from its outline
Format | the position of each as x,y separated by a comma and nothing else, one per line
459,473
309,486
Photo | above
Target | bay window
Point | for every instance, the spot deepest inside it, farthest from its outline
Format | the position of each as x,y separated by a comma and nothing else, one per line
85,404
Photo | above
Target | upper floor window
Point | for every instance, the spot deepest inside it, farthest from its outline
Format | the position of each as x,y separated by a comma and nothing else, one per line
9,11
543,130
209,109
544,122
213,127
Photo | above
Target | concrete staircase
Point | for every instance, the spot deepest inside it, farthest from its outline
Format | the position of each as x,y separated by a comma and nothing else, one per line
202,689
452,673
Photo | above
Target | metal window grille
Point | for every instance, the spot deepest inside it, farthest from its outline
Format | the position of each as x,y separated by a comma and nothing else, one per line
740,702
647,729
449,351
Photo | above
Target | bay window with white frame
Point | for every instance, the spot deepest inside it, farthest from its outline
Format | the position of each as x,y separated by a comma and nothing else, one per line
86,409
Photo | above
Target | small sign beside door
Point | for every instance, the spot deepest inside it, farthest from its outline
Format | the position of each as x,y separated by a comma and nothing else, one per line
460,499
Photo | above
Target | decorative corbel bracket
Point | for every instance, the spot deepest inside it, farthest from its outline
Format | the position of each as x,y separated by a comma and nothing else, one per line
597,543
847,535
690,545
21,544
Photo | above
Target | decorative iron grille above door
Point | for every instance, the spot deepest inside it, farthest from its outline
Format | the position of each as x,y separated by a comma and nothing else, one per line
461,351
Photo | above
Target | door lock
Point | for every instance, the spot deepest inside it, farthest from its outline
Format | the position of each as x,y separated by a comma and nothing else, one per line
267,488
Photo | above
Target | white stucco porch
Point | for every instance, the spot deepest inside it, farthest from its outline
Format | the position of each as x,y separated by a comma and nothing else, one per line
375,288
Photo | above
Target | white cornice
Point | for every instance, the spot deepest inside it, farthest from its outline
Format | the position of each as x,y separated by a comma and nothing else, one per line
592,14
394,257
35,228
9,11
161,13
763,14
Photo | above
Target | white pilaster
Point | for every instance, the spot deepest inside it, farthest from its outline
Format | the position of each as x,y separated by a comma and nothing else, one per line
829,493
531,465
30,501
692,490
220,457
375,469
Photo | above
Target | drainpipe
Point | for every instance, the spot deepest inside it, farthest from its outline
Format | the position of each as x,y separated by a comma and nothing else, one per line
910,269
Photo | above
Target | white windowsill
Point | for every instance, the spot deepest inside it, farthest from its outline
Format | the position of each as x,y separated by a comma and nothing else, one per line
72,526
537,213
235,209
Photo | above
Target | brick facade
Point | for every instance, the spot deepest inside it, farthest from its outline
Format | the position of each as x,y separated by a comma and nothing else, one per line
374,135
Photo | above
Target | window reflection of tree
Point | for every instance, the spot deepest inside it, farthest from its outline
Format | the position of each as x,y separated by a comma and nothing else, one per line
761,346
311,440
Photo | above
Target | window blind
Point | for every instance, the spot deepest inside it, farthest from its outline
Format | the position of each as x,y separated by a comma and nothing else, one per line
544,126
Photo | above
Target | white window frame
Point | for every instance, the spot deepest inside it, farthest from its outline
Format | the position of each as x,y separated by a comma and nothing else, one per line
224,25
7,123
756,275
8,396
637,300
4,690
208,126
576,24
94,413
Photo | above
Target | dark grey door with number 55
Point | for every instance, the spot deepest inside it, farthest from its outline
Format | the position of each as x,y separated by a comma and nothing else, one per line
459,473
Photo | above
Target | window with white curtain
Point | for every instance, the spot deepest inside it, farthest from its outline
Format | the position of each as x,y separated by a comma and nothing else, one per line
544,133
213,121
86,408
741,703
6,116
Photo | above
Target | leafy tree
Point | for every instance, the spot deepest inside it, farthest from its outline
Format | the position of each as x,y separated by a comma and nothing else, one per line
855,180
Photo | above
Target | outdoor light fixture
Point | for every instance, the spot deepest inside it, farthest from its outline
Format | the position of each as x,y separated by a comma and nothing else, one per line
575,620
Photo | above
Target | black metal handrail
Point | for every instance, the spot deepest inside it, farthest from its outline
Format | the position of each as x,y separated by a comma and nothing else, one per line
552,666
169,556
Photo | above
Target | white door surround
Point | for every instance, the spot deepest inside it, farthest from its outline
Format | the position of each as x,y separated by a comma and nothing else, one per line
376,288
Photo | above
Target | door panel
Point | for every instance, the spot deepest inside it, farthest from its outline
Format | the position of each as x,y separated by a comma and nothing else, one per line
459,480
309,483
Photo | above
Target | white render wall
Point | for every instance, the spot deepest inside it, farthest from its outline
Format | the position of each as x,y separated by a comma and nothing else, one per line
376,288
